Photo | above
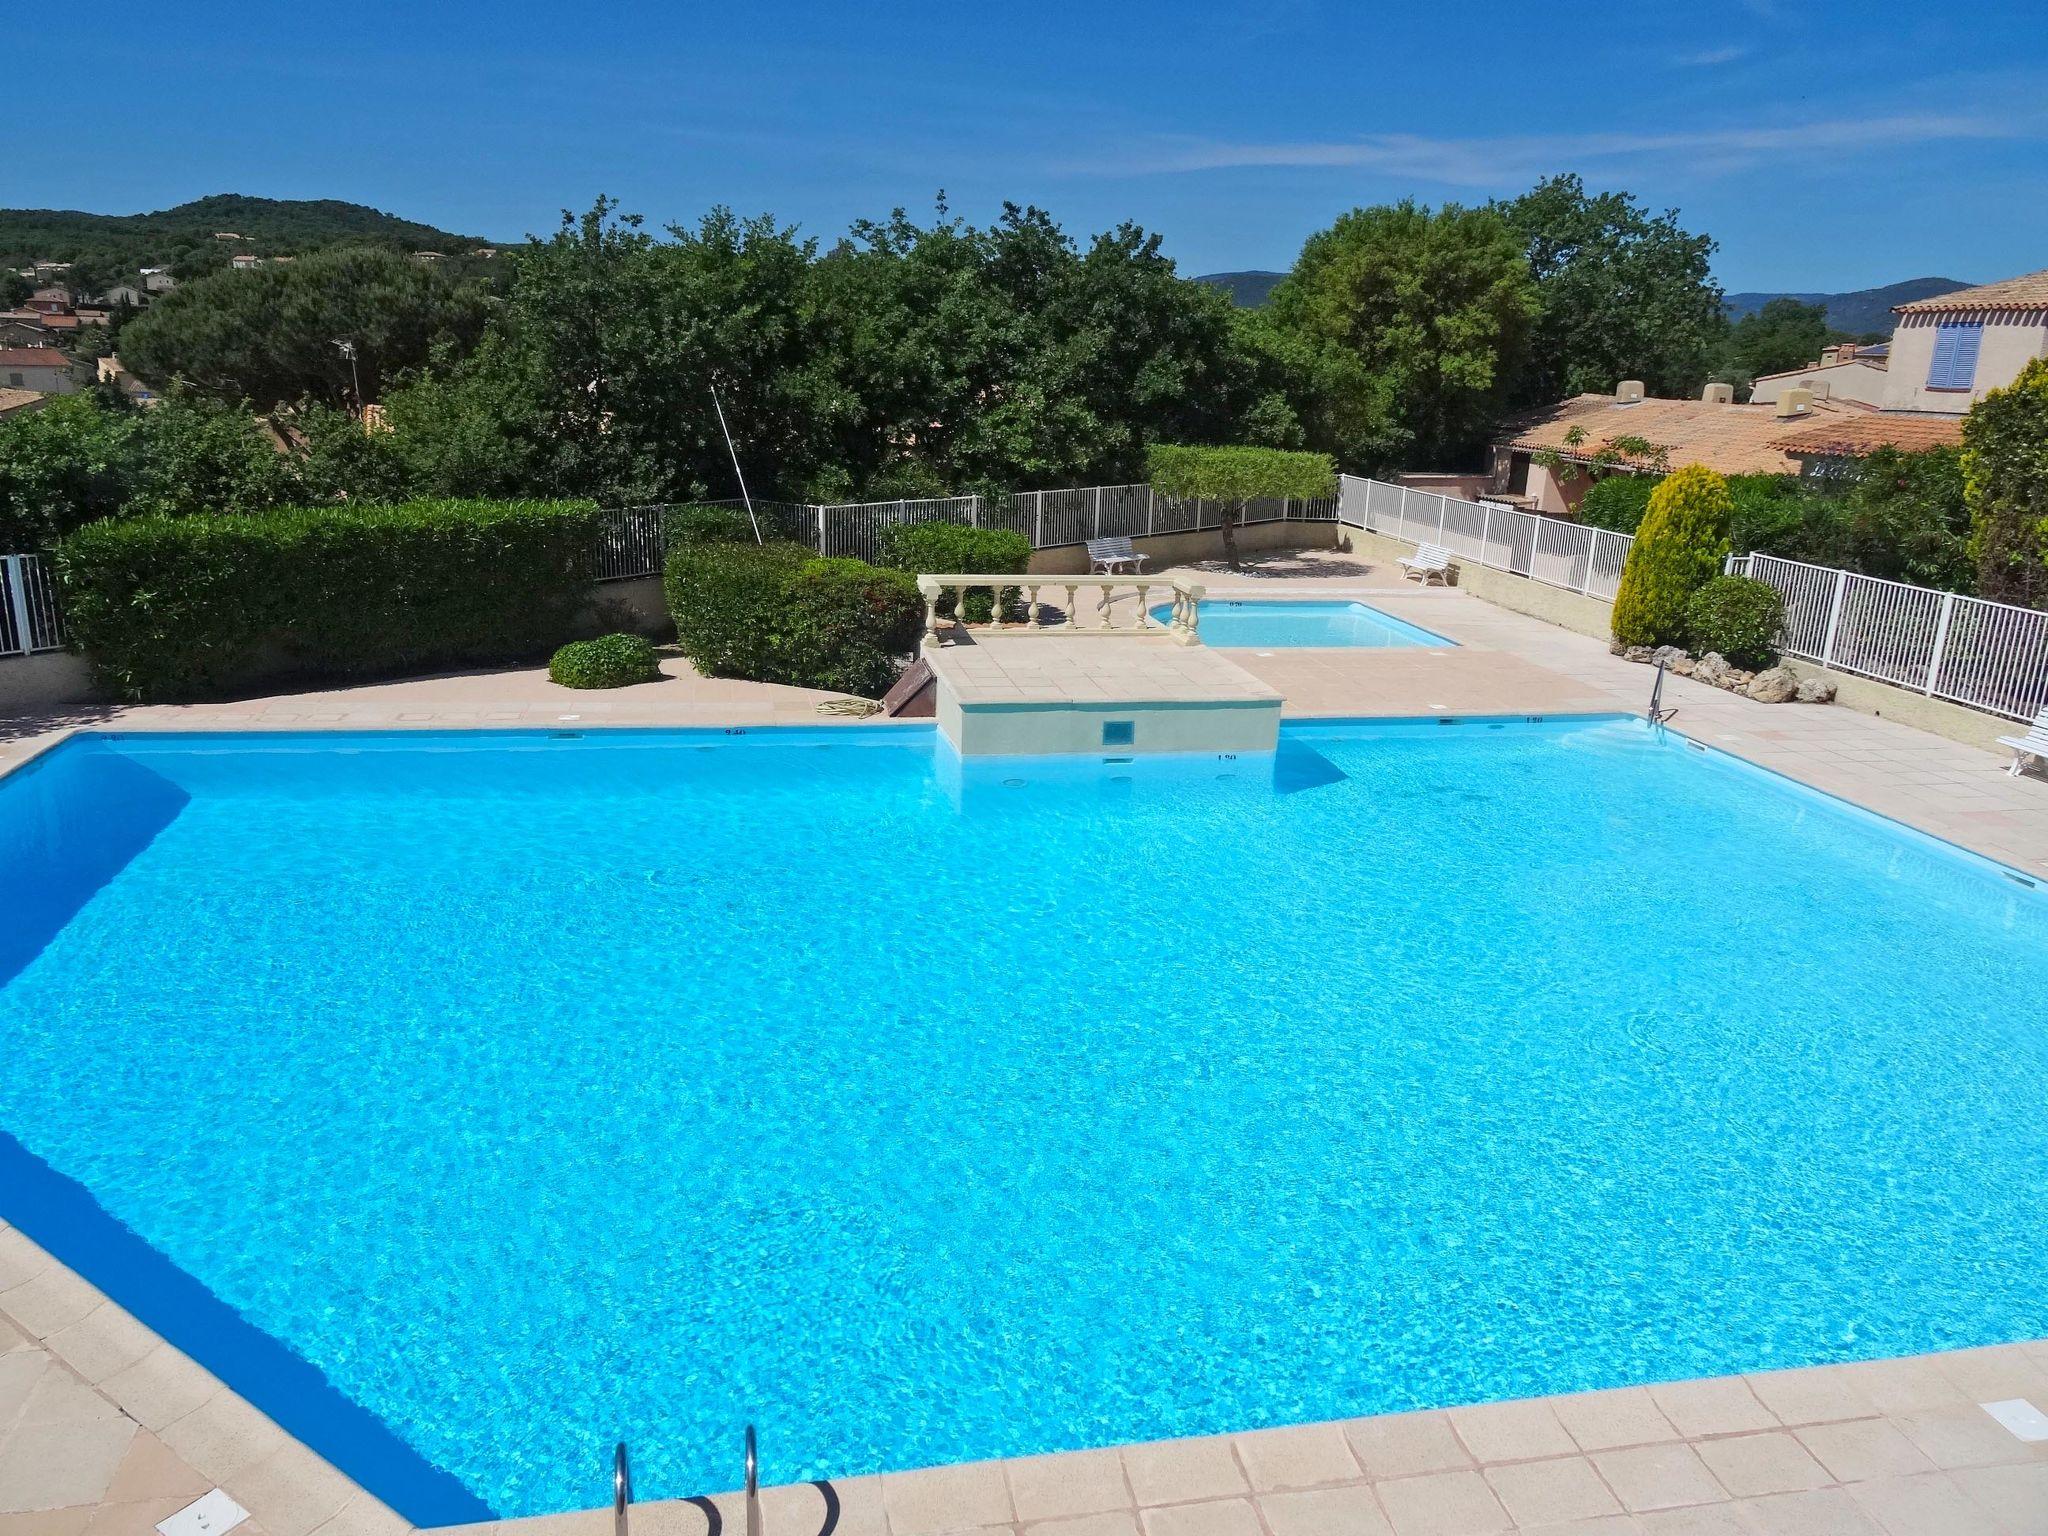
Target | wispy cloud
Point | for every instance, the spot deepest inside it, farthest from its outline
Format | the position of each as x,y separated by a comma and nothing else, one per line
1486,162
1708,58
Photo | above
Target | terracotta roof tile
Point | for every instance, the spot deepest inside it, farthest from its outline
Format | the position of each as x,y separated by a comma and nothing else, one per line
18,400
1733,439
1854,435
2027,292
33,357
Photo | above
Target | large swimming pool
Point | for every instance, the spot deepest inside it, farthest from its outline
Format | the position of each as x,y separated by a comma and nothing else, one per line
1262,624
543,1092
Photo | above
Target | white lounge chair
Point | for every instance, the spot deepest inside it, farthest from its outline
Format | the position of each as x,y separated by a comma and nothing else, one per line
2034,744
1107,556
1430,560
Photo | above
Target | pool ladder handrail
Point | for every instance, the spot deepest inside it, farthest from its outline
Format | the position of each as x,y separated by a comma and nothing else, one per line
622,1488
753,1487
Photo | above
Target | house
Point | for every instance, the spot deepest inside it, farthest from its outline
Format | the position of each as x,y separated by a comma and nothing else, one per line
50,301
157,280
426,258
245,261
23,329
1850,374
19,402
124,293
1947,353
44,369
1598,434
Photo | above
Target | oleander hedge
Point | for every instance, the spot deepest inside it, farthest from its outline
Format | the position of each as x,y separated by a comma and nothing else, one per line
957,549
777,613
189,607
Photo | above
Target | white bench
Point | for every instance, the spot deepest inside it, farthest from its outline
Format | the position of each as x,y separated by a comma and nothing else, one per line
1431,560
2034,744
1106,556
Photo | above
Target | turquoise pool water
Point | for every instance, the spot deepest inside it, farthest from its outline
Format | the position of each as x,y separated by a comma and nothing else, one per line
1253,624
547,1092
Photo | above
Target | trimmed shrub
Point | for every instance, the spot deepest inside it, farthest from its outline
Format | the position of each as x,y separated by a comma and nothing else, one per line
708,525
1738,617
171,608
728,602
955,548
847,623
776,613
2005,477
1678,549
609,661
1617,502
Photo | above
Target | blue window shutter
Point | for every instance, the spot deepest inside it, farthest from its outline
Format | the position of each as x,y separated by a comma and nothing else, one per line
1955,355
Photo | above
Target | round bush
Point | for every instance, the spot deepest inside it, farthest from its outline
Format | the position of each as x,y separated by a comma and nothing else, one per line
609,661
848,622
728,601
1739,618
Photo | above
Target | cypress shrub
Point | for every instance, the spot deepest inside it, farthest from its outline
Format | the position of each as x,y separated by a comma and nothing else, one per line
2005,481
609,661
1678,549
187,607
1617,502
1738,617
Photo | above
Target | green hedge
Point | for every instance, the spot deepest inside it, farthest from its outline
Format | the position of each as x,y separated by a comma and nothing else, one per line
169,608
1738,617
698,524
776,613
609,661
945,549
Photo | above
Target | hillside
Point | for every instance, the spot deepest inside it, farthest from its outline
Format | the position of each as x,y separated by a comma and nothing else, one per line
1857,312
1247,290
106,247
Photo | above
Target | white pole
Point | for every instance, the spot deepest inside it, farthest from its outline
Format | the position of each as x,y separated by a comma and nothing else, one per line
719,406
17,591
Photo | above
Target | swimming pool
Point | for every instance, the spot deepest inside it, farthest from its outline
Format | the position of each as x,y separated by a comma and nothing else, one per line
1256,624
542,1092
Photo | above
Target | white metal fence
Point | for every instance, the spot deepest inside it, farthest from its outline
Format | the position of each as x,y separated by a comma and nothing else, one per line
1569,555
28,606
632,542
1991,656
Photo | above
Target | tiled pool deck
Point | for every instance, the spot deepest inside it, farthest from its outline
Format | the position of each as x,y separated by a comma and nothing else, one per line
105,1430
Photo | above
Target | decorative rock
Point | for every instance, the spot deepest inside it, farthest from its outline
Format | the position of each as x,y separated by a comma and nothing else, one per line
1683,667
1780,685
1669,655
1638,653
1816,690
1737,679
1712,669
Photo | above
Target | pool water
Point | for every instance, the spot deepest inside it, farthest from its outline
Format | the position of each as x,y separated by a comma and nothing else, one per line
1252,624
548,1092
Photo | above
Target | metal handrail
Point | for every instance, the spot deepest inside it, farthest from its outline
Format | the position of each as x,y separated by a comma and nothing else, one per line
622,1489
753,1488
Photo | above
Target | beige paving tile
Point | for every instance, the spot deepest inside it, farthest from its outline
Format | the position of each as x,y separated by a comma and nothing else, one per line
292,1491
1908,1386
48,1464
1121,1523
19,1374
2015,1495
1752,1465
1220,1517
1179,1471
138,1518
20,1260
363,1515
1347,1511
1723,1406
1815,1395
223,1436
54,1299
162,1387
1076,1483
1919,1506
1603,1421
48,1522
1858,1449
1442,1504
1303,1457
1649,1477
1994,1375
947,1498
1969,1438
1821,1512
1511,1431
102,1342
1695,1520
1406,1444
152,1470
1550,1492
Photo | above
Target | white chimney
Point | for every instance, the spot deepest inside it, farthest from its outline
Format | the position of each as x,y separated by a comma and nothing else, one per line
1795,402
1718,394
1818,388
1628,391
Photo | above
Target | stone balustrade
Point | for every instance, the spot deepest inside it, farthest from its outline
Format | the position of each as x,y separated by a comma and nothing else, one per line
1100,617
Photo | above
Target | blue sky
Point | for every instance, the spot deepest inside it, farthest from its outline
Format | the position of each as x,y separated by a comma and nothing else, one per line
1823,146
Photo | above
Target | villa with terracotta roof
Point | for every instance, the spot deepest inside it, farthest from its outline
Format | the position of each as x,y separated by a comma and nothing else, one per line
1949,352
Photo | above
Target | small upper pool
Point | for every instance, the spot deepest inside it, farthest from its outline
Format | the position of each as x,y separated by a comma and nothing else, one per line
1264,625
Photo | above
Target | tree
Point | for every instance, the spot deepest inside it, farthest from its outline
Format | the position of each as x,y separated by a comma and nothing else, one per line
14,289
1624,295
2005,475
1784,334
1235,477
1678,549
68,464
270,336
1434,307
